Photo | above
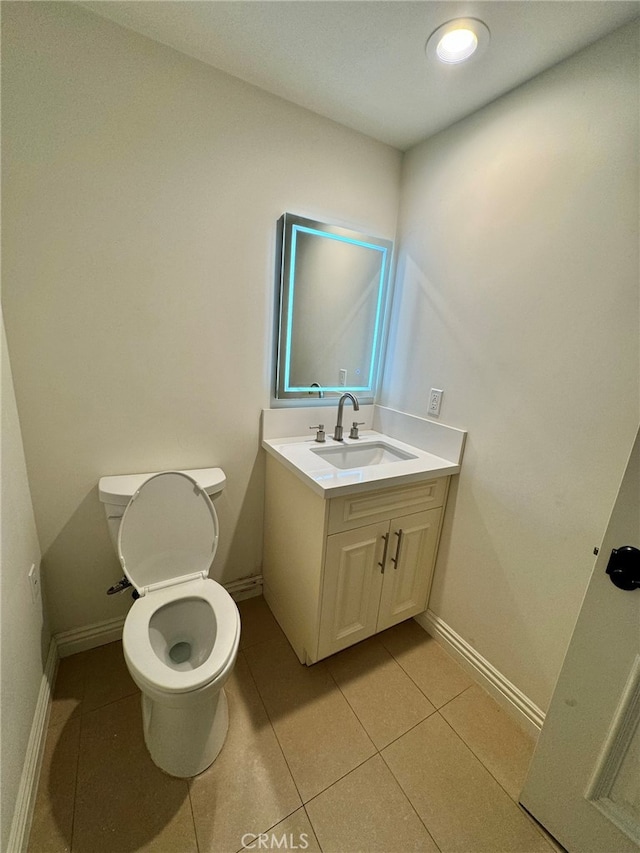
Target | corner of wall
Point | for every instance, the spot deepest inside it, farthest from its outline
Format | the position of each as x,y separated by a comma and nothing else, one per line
27,655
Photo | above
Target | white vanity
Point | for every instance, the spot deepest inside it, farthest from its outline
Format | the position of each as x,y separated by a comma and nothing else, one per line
352,528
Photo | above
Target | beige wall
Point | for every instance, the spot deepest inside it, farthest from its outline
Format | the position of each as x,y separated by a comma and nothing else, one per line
24,635
517,293
141,194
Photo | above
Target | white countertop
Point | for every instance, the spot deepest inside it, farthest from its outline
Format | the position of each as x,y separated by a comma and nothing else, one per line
295,453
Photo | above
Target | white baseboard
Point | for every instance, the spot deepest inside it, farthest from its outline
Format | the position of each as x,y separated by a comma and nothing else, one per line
26,799
525,712
89,636
244,588
100,633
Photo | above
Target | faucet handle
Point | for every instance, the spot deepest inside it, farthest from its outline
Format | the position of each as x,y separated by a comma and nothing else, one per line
320,434
353,432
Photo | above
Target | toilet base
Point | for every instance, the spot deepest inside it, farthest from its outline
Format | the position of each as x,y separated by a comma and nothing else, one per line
185,741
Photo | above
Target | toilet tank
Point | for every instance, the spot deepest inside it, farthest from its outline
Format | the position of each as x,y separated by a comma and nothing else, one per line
116,492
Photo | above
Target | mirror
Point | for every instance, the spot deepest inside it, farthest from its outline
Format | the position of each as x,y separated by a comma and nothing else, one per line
333,299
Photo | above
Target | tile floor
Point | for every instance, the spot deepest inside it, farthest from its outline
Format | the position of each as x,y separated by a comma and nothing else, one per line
388,746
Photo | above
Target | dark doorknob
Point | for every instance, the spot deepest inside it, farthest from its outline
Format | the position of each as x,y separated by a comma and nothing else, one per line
624,567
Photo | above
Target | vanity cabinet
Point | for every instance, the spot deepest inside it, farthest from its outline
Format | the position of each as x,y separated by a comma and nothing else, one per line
339,570
376,576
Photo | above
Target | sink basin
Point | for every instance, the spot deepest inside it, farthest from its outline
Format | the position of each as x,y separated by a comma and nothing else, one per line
362,455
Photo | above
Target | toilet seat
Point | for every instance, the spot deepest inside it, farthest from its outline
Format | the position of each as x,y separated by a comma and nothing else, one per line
142,657
168,533
166,544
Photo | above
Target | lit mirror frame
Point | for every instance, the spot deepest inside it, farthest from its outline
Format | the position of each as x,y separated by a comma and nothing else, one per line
290,228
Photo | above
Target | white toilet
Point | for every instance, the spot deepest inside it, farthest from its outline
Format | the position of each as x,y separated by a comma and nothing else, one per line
181,636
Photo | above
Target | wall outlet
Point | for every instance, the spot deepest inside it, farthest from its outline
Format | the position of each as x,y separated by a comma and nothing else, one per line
34,582
435,399
342,377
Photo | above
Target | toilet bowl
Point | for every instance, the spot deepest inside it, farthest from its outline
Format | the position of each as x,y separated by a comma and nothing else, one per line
181,636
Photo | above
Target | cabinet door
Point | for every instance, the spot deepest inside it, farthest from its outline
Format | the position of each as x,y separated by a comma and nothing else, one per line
407,578
351,589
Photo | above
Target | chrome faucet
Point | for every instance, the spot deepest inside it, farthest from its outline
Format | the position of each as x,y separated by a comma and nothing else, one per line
319,387
337,435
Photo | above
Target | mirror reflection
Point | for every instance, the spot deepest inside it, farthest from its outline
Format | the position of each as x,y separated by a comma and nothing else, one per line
333,293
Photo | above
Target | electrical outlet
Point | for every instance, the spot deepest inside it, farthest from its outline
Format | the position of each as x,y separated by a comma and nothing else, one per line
435,399
342,377
34,582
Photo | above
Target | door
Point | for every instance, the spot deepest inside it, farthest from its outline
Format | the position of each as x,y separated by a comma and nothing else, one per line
351,587
584,781
409,567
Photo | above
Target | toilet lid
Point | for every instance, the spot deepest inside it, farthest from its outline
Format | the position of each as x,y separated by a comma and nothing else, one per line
168,533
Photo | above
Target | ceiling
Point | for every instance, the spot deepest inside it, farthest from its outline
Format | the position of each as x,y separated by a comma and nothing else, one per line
362,62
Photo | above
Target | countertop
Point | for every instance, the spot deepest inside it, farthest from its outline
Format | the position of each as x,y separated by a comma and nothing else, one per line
295,453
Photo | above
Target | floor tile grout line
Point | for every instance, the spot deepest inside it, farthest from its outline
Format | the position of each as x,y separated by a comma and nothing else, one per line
275,734
312,827
273,643
556,845
463,739
317,794
352,709
302,800
377,750
193,817
245,646
339,779
379,753
414,726
360,763
408,798
134,692
477,757
449,701
75,786
380,748
273,826
273,728
408,674
64,723
266,640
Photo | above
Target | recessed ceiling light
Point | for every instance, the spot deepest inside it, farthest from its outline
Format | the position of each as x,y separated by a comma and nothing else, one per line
458,40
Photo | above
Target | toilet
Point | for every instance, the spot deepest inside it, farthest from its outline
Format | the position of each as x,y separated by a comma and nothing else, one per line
181,636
